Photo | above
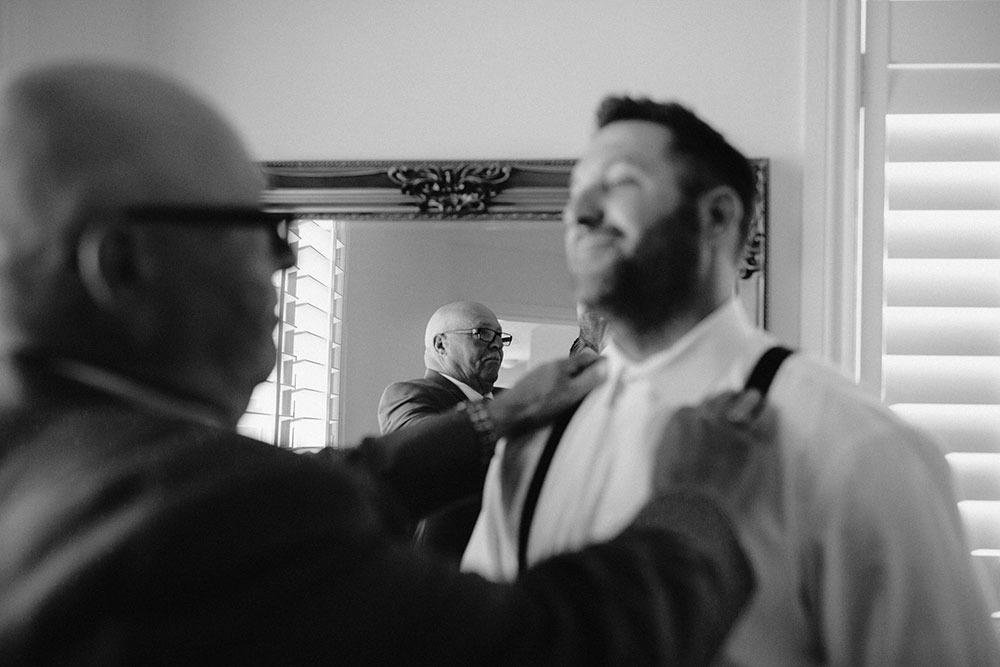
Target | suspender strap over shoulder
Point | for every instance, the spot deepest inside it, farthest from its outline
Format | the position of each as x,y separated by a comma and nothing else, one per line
535,487
763,373
760,378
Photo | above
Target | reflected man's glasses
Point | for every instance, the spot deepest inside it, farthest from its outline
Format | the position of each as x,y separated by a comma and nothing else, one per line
485,335
219,216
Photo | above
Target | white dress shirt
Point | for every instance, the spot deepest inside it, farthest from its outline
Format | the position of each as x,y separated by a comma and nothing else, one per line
855,539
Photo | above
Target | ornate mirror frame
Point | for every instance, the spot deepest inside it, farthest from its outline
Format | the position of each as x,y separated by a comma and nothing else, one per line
479,190
304,402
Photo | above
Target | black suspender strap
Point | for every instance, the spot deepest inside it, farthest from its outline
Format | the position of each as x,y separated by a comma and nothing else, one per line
760,378
767,366
535,487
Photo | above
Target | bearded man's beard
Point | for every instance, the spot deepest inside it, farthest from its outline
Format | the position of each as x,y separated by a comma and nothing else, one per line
657,283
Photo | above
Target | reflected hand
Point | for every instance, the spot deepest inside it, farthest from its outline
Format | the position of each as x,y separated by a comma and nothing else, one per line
722,448
544,392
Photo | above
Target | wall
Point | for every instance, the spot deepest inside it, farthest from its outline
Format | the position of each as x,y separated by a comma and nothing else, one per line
313,79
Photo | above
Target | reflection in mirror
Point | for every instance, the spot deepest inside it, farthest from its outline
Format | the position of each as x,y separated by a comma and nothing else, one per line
353,309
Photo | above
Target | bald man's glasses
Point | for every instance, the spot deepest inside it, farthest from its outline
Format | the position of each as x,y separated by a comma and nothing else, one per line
219,217
485,335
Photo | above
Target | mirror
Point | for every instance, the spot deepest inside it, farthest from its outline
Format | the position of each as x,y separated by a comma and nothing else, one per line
382,244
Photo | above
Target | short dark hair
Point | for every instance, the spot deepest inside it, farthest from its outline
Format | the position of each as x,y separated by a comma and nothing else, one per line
709,159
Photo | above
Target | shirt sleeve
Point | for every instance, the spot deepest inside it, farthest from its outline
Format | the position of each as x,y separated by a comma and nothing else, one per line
436,462
196,547
894,582
658,594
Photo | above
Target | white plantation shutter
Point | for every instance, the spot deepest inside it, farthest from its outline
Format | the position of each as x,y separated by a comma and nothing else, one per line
931,256
299,404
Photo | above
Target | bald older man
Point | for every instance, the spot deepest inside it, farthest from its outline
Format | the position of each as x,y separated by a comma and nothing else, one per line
463,350
136,525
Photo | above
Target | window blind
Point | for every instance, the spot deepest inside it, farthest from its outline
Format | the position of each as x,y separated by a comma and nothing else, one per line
933,100
298,406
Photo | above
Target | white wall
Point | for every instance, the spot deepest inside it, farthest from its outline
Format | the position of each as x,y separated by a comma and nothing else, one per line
315,79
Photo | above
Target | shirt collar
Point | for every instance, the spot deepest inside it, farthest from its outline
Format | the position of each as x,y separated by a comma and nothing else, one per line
722,334
469,392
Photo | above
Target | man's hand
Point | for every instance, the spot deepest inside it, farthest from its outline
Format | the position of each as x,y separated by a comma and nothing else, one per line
722,448
544,392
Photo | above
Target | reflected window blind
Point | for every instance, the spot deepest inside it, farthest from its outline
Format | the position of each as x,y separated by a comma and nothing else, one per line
940,273
299,405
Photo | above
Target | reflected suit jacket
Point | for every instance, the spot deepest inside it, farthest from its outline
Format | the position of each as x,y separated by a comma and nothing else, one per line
447,531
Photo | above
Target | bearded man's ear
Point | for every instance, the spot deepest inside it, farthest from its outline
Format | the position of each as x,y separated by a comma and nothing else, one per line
721,211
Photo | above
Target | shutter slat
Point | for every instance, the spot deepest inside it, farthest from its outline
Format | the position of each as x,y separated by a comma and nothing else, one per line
943,185
982,520
959,428
943,90
942,379
942,234
976,475
943,137
942,331
988,563
923,32
968,283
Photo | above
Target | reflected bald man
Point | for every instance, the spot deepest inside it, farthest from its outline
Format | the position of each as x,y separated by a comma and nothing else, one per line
463,351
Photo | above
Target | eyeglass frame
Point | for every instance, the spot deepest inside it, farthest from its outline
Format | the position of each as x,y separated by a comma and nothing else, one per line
505,338
218,217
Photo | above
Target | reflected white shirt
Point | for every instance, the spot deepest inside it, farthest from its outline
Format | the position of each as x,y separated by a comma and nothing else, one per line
469,392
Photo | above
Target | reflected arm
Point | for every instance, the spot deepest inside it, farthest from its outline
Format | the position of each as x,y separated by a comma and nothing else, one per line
442,458
427,465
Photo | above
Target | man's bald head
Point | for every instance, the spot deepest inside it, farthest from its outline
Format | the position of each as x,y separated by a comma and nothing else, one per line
461,355
458,315
178,303
93,135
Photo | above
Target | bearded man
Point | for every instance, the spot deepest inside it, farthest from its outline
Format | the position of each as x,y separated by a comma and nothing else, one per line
854,569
